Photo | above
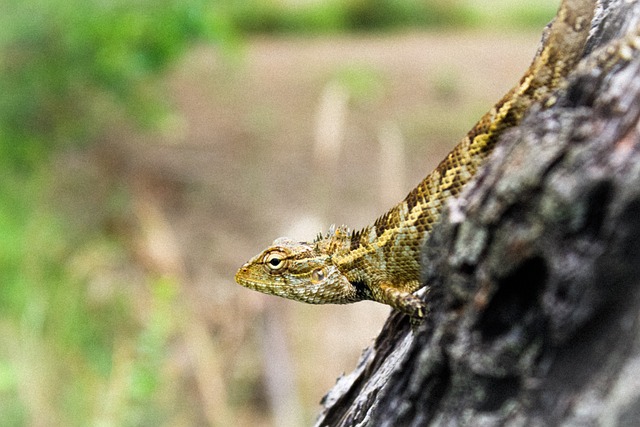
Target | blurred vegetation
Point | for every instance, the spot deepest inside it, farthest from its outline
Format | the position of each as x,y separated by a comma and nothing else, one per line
68,64
274,16
69,69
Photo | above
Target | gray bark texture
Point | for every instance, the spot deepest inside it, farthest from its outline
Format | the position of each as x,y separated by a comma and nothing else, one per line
533,275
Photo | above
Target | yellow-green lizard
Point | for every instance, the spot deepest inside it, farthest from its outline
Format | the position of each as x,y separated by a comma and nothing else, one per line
381,262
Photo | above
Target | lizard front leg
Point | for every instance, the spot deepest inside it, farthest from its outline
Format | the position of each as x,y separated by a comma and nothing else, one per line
401,300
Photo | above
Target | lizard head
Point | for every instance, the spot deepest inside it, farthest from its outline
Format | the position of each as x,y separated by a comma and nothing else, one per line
299,271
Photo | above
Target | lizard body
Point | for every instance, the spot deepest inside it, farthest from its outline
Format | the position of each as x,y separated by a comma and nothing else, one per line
381,261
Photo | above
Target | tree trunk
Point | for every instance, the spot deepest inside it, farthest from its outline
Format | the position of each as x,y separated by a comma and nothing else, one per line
533,274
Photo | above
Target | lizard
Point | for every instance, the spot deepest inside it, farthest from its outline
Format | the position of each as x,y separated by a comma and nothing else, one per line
381,262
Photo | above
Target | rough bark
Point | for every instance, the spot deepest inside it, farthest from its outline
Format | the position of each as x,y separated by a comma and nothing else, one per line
534,276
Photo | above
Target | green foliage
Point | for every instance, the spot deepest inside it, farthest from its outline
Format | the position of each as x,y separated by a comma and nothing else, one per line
265,16
507,13
272,16
73,345
74,350
385,14
68,67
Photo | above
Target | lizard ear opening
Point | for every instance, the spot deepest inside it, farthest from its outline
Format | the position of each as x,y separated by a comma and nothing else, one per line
318,275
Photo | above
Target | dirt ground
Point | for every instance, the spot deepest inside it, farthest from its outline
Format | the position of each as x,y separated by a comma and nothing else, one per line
288,137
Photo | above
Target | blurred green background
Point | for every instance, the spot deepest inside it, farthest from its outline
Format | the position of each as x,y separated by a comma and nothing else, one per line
90,325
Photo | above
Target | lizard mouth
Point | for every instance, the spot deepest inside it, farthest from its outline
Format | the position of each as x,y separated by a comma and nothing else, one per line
243,277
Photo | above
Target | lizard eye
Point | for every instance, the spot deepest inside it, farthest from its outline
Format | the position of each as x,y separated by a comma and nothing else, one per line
317,275
275,260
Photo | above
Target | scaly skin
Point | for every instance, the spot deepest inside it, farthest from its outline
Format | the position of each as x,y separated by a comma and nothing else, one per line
382,261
